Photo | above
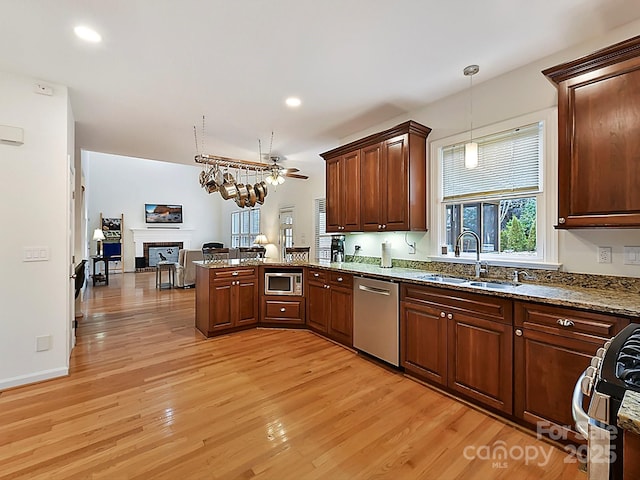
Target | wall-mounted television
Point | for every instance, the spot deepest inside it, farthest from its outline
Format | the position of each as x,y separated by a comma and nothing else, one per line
162,213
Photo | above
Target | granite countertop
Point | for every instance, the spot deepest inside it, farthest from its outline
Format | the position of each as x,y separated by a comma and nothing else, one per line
629,413
615,301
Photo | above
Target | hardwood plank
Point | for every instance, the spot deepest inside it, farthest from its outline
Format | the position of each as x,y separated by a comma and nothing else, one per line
149,397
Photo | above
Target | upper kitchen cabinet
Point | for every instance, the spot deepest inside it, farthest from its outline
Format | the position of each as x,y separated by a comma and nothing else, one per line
599,138
391,185
343,192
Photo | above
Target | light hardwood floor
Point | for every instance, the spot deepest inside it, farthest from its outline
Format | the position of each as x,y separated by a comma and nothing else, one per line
150,398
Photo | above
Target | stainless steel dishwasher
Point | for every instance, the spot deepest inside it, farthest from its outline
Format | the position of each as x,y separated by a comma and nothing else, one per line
376,319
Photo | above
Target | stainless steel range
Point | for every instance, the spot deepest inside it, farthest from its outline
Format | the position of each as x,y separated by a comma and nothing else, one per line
614,369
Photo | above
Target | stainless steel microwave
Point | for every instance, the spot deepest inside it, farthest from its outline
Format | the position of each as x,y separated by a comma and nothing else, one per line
283,282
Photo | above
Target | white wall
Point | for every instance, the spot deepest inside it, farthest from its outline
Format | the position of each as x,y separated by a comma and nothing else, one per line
34,296
122,185
516,93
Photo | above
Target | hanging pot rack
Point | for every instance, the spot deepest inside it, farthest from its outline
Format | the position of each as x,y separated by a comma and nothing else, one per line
227,162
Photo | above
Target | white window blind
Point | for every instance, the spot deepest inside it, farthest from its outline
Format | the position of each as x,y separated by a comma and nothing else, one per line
323,240
508,162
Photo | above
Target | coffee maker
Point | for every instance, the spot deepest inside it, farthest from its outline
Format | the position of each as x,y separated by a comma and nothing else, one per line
337,248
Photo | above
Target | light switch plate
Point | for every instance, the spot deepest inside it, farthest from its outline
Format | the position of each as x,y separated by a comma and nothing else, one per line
35,254
631,255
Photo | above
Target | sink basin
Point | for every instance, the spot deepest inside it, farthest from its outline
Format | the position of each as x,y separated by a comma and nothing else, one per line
442,279
492,285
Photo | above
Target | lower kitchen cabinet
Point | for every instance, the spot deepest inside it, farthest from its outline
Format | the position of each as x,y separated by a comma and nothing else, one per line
317,300
553,346
226,299
330,304
460,340
283,310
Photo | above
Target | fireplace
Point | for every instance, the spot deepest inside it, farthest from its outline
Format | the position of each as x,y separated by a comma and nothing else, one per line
144,238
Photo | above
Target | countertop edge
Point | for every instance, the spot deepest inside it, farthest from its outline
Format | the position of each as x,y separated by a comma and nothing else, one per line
596,300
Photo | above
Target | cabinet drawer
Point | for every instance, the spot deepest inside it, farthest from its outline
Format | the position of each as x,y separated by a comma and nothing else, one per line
318,275
484,306
229,273
281,309
567,321
341,279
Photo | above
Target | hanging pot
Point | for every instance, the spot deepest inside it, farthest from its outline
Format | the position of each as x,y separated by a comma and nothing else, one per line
243,194
228,188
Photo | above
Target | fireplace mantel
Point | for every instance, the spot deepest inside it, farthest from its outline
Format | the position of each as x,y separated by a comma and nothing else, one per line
149,235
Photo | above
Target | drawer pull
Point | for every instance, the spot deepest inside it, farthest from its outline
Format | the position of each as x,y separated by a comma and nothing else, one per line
316,274
339,279
450,316
283,309
518,332
565,322
442,314
235,274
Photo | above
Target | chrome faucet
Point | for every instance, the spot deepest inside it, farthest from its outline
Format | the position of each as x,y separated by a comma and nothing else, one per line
481,267
518,274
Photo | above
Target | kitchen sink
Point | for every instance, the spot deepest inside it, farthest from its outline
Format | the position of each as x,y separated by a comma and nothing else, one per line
442,279
492,285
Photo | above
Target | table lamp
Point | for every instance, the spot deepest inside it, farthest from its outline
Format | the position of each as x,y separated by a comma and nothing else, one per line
261,239
98,235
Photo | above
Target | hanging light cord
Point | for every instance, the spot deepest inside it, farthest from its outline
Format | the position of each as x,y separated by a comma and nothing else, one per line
470,71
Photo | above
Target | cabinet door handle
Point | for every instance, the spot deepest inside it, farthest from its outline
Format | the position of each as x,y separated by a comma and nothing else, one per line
283,309
450,316
565,322
384,226
561,220
326,286
518,332
442,314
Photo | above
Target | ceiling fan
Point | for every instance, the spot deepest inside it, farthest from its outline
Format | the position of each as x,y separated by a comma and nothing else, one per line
278,172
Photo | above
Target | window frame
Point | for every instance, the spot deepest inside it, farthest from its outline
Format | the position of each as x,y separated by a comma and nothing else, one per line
252,232
546,198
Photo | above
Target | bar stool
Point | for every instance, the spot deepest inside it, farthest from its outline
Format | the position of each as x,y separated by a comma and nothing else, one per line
296,254
170,268
215,255
251,253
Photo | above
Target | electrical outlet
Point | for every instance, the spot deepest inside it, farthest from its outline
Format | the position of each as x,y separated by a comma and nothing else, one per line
604,254
43,343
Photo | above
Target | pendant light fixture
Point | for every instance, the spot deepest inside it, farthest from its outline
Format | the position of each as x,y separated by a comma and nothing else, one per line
471,148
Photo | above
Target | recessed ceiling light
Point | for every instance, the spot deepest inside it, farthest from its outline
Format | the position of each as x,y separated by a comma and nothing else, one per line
293,102
88,34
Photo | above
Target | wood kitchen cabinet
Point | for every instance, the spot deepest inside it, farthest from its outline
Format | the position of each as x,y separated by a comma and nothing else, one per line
460,340
599,145
391,181
330,304
226,299
343,192
553,346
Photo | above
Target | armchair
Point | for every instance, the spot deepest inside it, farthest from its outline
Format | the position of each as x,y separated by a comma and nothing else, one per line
186,269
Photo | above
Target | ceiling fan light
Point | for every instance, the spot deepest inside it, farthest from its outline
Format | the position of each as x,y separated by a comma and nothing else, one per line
280,179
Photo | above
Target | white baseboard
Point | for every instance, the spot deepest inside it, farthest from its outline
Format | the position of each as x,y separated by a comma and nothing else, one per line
33,378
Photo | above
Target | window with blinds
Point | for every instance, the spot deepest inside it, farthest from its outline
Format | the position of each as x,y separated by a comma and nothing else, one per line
498,199
322,238
508,163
